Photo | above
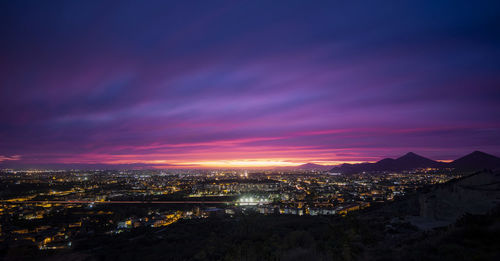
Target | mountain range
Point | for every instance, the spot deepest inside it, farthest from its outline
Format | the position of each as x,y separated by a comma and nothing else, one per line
473,161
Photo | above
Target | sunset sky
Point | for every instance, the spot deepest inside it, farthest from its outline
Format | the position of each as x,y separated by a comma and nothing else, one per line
246,83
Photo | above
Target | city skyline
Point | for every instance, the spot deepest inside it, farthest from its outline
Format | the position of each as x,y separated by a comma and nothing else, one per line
252,84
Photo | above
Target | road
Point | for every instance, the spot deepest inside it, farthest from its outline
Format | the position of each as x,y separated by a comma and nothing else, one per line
118,202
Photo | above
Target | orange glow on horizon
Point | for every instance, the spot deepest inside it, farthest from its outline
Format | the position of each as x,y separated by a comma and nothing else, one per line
242,157
202,163
239,163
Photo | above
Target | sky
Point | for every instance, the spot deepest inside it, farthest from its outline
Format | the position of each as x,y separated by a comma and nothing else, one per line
184,84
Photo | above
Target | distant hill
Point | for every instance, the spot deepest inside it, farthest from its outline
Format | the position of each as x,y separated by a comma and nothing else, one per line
412,161
312,166
473,161
476,160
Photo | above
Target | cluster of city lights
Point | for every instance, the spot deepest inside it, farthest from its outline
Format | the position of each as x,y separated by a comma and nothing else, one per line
251,201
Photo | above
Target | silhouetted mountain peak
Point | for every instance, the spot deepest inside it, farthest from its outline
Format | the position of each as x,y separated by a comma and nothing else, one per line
477,160
411,156
478,153
412,160
312,166
309,165
386,161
